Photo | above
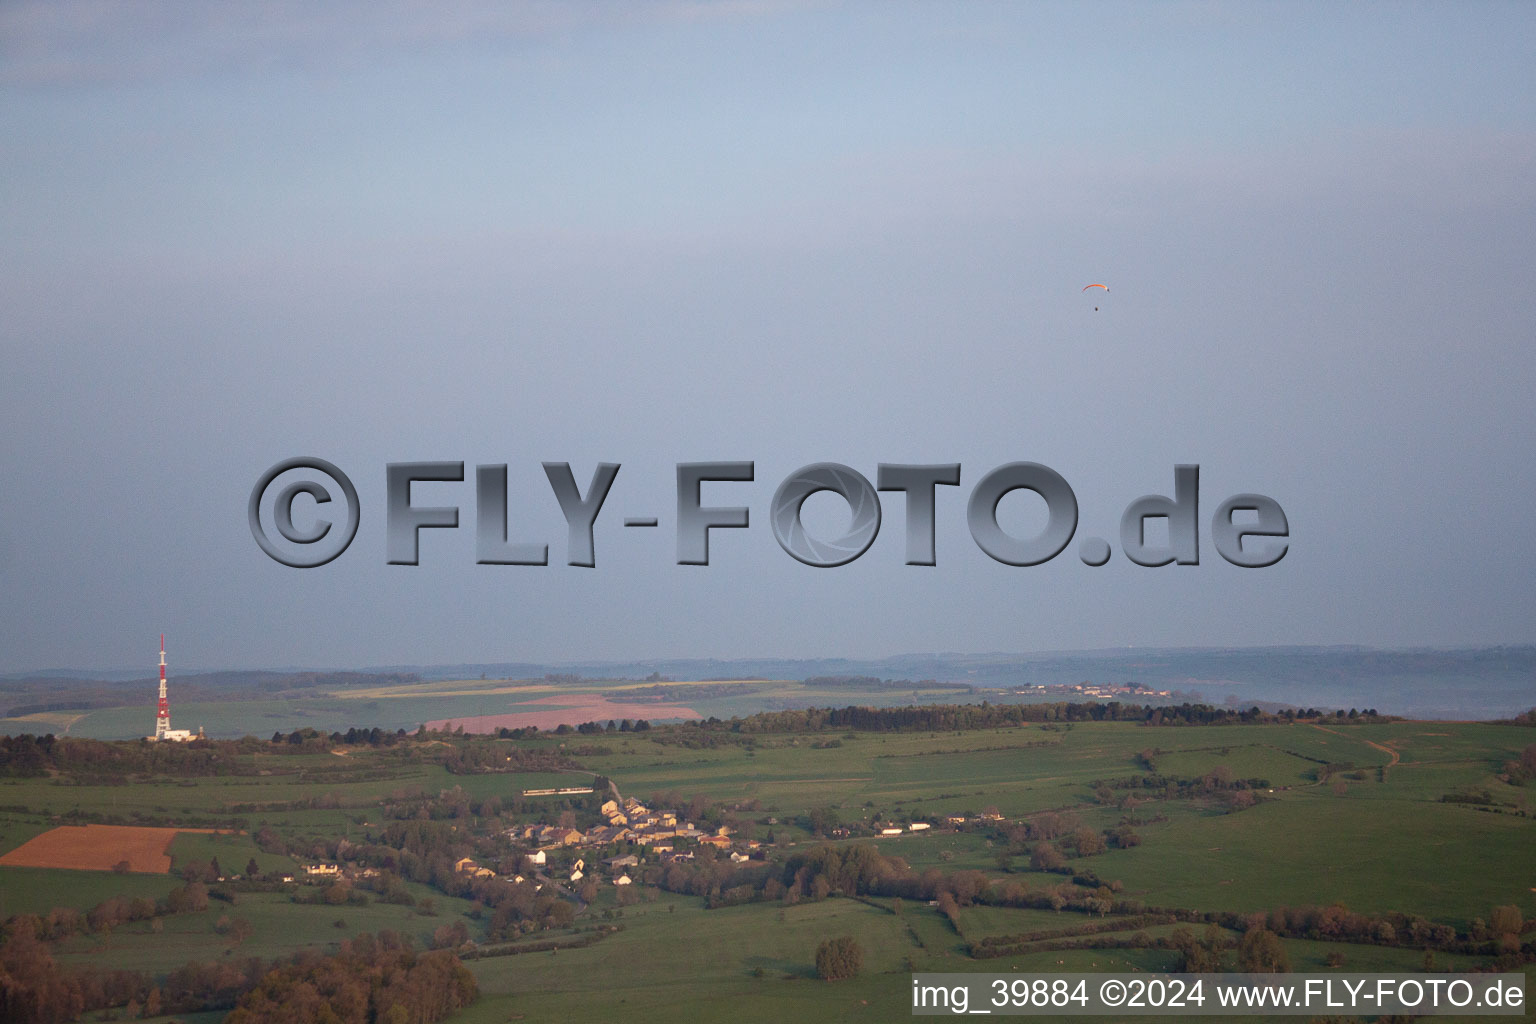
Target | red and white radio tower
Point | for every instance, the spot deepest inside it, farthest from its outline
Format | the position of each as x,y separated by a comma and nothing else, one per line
163,712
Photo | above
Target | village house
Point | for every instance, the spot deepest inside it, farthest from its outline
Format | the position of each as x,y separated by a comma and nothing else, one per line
467,866
651,836
602,836
563,837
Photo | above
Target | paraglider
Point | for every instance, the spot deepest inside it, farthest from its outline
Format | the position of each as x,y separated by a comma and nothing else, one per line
1103,286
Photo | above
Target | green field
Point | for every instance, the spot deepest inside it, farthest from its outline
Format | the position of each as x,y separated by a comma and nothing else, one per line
279,927
38,890
1346,814
234,852
346,785
406,706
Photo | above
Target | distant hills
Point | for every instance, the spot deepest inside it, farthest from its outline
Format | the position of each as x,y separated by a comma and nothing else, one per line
1457,683
1472,682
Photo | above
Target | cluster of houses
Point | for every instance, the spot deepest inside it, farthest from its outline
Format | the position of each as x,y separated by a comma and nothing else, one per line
616,865
630,821
618,869
891,828
469,866
1094,690
321,872
990,816
627,822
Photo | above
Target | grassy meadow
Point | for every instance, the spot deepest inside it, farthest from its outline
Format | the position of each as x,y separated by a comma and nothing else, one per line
1347,814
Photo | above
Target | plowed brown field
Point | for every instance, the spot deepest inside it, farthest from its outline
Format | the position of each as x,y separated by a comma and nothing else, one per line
98,848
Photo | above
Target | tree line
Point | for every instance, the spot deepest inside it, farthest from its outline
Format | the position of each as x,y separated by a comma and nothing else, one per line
986,715
876,683
110,913
372,979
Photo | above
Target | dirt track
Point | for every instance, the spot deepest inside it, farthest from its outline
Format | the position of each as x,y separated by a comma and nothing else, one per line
1396,757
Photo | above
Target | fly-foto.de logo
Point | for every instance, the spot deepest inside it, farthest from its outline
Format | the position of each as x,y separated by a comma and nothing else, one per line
1248,530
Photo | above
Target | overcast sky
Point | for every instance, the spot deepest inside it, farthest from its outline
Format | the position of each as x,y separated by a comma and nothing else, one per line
779,232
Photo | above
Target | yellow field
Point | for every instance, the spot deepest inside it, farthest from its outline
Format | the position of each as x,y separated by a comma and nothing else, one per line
700,682
57,720
446,688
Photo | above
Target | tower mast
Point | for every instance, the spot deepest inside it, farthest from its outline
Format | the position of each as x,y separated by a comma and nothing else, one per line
163,712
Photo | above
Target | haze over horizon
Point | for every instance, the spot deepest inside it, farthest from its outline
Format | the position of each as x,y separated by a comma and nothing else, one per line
626,667
778,232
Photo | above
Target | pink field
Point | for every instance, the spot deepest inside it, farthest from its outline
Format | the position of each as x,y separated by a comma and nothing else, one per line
579,708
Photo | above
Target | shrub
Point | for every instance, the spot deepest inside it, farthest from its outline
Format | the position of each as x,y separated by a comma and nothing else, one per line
838,958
